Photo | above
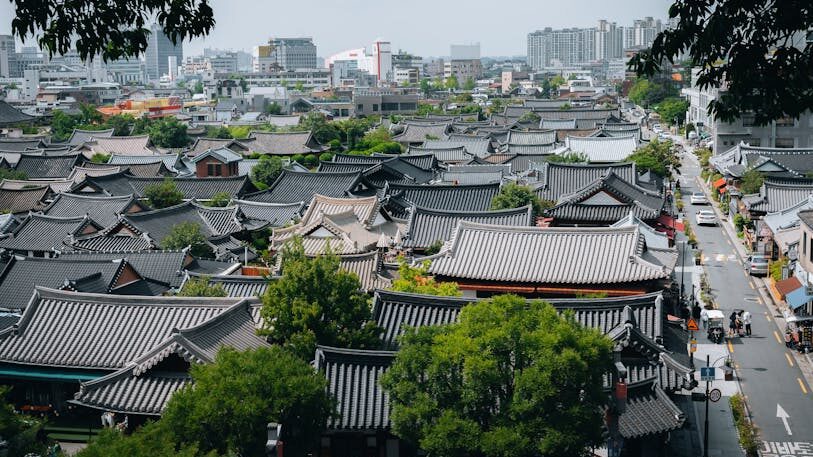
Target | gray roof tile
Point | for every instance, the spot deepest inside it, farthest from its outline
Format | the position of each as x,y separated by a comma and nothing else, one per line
443,197
426,226
284,143
295,186
101,209
43,167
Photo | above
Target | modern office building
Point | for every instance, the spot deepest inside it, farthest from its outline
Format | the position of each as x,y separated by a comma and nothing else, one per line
159,49
8,57
377,61
293,53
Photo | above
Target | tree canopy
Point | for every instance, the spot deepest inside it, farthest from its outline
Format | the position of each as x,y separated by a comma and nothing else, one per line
671,109
513,195
751,181
267,170
510,379
568,157
416,280
110,29
200,287
755,49
316,302
188,234
163,194
167,132
657,157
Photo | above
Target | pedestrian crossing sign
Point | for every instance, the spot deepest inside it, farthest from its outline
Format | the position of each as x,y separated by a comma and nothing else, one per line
692,325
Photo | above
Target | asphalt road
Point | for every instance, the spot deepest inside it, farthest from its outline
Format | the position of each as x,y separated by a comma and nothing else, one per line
769,377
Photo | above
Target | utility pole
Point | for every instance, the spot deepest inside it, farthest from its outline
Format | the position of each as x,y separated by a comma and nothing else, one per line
706,421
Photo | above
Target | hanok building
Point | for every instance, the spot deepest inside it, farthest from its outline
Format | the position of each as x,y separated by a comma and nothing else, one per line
414,134
776,195
192,188
475,145
551,262
603,150
125,354
440,197
46,167
284,143
102,209
297,186
39,235
217,162
202,145
380,170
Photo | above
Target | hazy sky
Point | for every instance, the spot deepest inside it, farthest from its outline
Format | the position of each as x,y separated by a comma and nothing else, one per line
423,27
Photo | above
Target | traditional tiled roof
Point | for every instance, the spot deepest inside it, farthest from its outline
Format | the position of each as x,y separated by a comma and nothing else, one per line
473,177
202,145
8,222
530,149
557,124
775,197
343,232
236,285
20,277
258,215
169,160
606,200
123,145
213,222
654,238
521,163
196,188
531,137
80,173
426,162
101,209
105,243
79,136
295,186
284,143
10,115
393,311
426,226
649,411
20,145
23,200
163,266
41,233
474,145
452,154
546,256
418,133
603,150
142,389
222,154
95,331
366,209
557,179
367,267
44,167
354,381
443,197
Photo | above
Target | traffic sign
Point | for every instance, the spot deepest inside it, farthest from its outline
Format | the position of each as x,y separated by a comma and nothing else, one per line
707,373
715,395
692,325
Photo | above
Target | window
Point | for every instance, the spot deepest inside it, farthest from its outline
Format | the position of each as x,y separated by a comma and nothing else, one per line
784,143
748,120
213,169
754,142
359,107
786,122
375,107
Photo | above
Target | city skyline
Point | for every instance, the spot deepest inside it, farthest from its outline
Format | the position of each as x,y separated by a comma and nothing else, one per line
347,24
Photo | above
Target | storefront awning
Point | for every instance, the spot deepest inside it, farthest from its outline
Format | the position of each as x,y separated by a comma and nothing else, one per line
719,183
798,298
786,286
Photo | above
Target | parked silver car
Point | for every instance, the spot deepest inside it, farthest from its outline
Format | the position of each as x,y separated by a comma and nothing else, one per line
757,265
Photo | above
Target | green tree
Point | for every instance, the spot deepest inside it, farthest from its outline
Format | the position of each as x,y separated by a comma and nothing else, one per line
751,181
426,86
168,132
121,124
755,50
221,132
20,432
88,114
299,86
511,378
154,439
267,170
188,234
228,408
15,175
469,84
416,280
452,83
531,117
62,125
316,302
318,125
198,88
672,108
657,157
200,287
273,108
496,105
568,157
557,81
243,84
163,194
100,157
220,200
513,195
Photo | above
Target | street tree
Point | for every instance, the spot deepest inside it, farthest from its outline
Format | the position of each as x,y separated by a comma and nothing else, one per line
452,83
188,234
757,50
511,379
513,195
672,109
316,302
657,157
163,194
469,84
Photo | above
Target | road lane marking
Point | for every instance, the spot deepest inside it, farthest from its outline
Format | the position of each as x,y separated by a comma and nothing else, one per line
730,347
751,284
802,386
729,242
744,273
759,299
783,415
790,362
776,335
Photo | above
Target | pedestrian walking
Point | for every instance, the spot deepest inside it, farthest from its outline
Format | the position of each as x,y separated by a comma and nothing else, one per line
746,319
704,318
732,323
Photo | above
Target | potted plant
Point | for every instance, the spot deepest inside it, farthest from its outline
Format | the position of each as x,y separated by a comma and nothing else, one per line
698,257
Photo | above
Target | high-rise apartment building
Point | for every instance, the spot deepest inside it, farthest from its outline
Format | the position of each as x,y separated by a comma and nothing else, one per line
159,50
645,30
8,56
609,41
293,53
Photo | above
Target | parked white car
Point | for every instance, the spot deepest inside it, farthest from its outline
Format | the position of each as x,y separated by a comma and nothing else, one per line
698,198
705,217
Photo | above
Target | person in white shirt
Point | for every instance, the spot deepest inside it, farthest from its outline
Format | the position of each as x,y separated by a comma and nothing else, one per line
746,319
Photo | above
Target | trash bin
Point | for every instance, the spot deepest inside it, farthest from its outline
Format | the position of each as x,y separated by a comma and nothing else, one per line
728,373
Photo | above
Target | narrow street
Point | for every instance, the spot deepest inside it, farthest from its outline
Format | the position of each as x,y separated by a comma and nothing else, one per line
770,379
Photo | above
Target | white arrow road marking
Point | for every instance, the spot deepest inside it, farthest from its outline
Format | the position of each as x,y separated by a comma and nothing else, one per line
782,414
